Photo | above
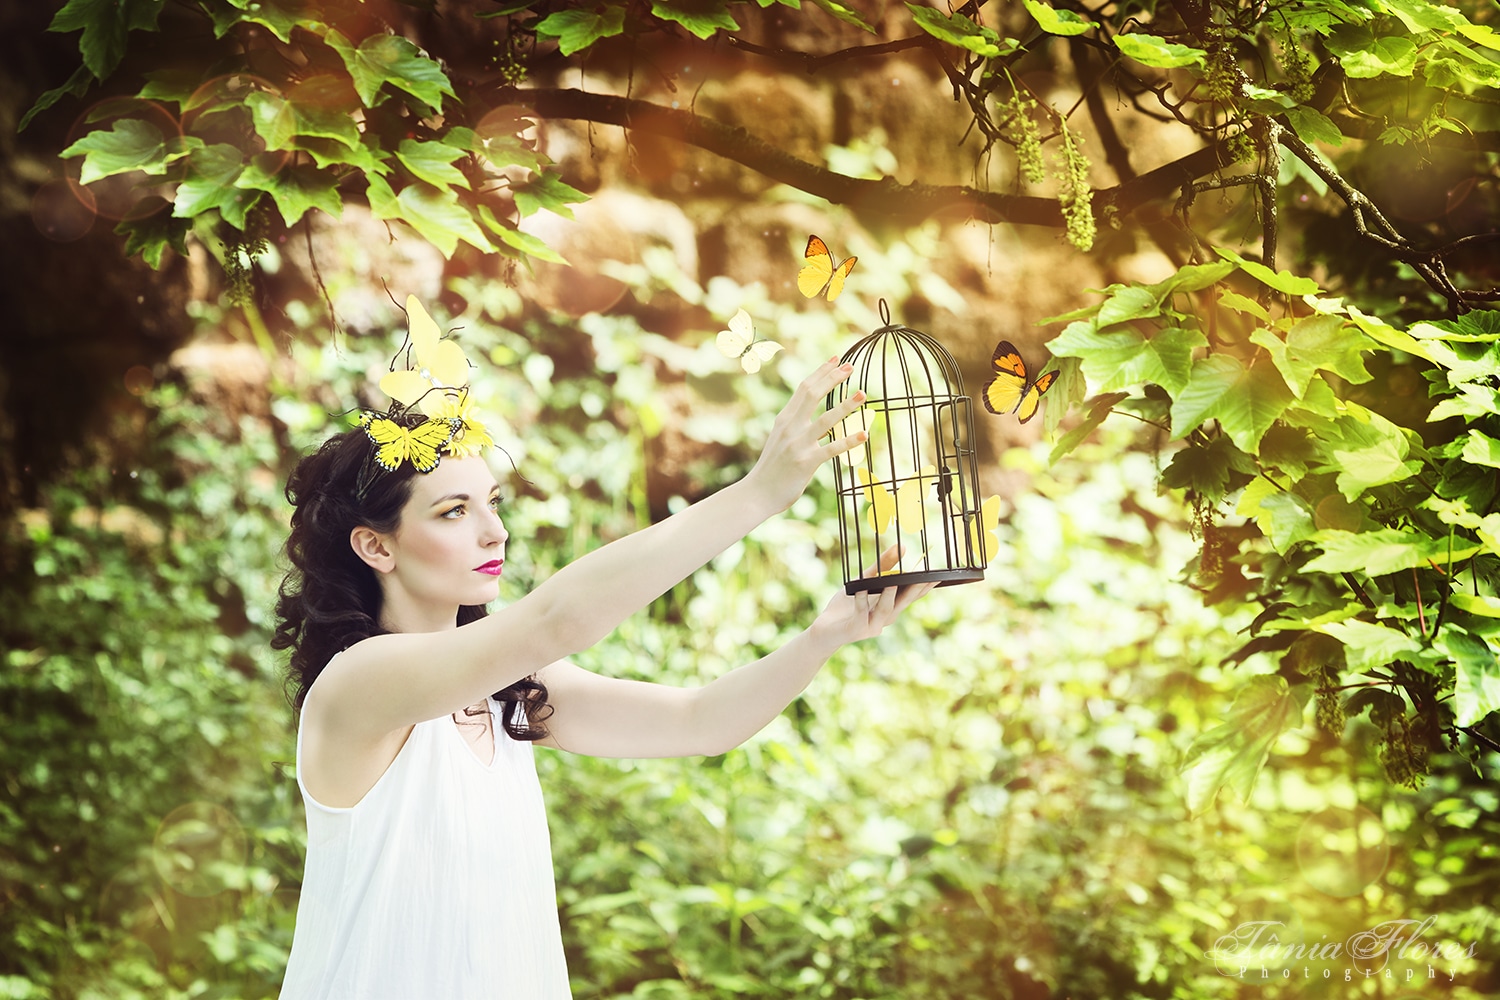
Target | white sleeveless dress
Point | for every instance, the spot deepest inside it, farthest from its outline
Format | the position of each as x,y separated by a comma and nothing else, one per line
437,884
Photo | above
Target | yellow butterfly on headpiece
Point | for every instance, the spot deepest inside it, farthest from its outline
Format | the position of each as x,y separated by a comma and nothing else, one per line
469,436
1008,390
395,443
820,272
739,342
439,363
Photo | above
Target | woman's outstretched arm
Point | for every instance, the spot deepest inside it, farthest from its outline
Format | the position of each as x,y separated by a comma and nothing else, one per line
390,681
608,717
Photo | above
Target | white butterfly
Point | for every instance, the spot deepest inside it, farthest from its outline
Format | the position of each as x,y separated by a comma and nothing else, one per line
739,342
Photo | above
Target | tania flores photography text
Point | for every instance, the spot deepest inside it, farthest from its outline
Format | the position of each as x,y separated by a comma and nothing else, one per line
1403,950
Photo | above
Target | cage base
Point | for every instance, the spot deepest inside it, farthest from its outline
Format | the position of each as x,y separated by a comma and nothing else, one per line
942,577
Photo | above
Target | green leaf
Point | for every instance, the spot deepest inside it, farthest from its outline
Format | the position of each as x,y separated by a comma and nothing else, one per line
1473,401
576,30
105,23
1477,327
76,86
955,29
1369,451
1231,754
1311,125
1387,550
506,150
530,245
1238,302
432,162
516,243
1476,690
1481,449
1126,303
209,185
1057,22
132,144
1191,278
1317,342
1101,407
1153,51
1418,15
1363,56
1379,330
271,15
296,190
383,203
324,106
150,232
1245,401
1283,517
1368,646
438,216
1125,357
327,153
1477,604
272,118
382,59
1282,281
1204,469
547,191
844,13
702,17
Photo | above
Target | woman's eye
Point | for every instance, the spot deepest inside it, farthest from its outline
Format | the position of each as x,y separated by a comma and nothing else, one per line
453,511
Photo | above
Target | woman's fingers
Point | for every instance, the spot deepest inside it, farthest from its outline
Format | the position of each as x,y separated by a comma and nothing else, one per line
816,386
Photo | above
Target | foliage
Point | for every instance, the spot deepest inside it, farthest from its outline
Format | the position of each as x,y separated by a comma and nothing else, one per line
1009,797
1363,526
297,106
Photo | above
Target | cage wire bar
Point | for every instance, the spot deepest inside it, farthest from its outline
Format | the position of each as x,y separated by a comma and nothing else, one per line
915,482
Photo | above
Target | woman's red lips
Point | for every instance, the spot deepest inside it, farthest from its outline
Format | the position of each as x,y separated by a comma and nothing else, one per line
492,567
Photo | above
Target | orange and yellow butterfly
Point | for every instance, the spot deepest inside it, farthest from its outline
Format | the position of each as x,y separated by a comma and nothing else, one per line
396,444
1009,390
820,272
739,342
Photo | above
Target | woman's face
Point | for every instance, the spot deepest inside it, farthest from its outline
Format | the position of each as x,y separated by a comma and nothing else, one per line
449,546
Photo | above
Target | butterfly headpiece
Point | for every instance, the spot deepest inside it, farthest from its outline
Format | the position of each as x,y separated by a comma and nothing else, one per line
431,414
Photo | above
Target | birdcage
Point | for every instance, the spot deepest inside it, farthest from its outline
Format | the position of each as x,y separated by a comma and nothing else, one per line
915,482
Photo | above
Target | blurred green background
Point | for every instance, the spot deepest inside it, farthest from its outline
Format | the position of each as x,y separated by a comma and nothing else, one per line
985,802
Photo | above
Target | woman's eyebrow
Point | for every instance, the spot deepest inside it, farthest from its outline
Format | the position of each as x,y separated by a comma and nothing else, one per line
462,496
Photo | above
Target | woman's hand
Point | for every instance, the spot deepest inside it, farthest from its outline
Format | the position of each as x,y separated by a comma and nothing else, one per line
795,448
865,615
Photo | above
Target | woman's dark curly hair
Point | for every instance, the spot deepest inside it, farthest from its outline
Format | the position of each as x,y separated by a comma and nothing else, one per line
330,598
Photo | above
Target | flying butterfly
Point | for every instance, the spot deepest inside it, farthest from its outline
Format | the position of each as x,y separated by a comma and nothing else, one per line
422,444
1009,391
820,272
739,342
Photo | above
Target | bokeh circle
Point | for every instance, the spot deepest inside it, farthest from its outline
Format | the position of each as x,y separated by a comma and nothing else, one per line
199,849
1341,851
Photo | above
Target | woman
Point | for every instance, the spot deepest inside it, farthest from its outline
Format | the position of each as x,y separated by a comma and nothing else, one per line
429,872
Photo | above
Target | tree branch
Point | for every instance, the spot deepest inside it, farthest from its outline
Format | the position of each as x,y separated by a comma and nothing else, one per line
1371,224
887,196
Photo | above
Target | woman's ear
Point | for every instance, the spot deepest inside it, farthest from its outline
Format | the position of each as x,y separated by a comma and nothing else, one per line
370,546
